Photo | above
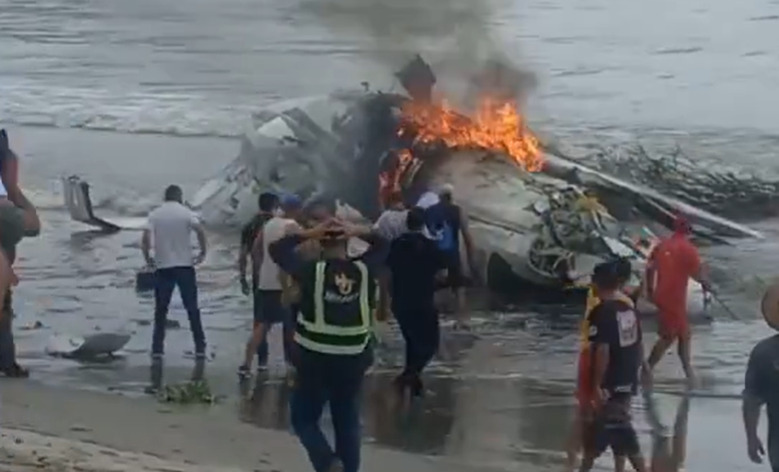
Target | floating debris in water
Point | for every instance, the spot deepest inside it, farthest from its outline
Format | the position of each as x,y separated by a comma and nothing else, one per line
723,189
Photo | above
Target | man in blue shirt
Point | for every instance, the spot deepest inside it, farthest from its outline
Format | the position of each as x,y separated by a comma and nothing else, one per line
446,221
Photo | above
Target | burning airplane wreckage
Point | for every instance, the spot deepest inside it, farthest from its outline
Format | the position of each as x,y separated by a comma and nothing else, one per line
534,215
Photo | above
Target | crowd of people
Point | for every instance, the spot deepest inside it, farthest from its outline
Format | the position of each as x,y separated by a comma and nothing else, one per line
306,269
305,276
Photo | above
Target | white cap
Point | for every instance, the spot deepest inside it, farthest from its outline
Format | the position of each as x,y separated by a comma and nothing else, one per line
446,189
427,200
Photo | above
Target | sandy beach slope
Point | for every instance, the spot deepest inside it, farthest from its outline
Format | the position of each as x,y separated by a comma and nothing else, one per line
47,429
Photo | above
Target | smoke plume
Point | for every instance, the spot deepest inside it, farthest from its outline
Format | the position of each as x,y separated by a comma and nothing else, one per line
454,36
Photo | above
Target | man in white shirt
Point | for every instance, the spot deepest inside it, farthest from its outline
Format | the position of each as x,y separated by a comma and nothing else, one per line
392,222
169,232
269,287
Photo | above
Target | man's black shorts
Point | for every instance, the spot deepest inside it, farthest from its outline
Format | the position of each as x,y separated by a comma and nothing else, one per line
612,427
268,307
454,269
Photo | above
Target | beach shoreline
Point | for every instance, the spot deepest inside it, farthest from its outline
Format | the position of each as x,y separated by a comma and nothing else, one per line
57,429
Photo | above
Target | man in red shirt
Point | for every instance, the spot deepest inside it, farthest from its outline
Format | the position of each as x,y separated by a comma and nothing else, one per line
671,265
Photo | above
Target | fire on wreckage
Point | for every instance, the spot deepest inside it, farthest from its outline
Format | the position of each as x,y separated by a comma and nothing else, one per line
529,214
572,222
570,225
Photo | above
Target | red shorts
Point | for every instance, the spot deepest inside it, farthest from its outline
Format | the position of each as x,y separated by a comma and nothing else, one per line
584,390
673,323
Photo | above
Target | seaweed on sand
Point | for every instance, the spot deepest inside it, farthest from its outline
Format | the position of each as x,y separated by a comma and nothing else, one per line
187,393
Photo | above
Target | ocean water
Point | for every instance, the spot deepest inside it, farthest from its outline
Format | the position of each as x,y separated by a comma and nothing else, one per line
136,95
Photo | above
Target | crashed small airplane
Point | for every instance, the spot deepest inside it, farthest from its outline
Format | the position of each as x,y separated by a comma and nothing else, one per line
536,217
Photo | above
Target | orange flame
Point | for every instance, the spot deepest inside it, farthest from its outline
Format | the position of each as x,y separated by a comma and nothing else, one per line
496,127
389,182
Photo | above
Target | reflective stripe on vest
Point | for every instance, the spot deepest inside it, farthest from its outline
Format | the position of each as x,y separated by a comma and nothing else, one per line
319,328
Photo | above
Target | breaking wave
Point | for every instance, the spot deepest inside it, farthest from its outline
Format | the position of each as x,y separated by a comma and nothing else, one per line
176,114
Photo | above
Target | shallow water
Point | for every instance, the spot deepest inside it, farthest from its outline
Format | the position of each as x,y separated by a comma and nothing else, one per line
698,74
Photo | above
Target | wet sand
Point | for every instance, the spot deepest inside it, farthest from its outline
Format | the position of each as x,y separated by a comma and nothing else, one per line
477,419
66,430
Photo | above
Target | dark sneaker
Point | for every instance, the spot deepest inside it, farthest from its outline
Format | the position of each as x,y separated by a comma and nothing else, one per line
243,371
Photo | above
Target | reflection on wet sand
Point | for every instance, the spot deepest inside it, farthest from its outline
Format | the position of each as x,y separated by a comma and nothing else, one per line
477,409
496,420
267,403
669,454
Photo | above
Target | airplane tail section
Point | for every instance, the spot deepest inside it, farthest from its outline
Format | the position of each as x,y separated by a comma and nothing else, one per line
79,204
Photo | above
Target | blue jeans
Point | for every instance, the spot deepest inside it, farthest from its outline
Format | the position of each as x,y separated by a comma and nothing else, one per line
165,281
323,378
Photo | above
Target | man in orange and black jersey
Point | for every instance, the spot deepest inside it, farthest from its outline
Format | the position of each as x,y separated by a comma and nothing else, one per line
584,387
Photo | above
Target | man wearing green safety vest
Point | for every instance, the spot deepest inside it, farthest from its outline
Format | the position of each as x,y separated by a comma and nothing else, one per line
332,337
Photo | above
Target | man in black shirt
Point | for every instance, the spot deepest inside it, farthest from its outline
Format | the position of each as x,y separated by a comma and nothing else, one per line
268,203
615,339
761,386
414,261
